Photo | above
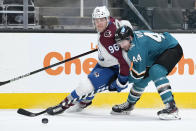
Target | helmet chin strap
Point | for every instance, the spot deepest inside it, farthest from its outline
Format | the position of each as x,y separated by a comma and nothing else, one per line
108,21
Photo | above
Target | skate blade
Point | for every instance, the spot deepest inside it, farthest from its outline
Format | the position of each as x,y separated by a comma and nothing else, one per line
75,109
173,116
120,113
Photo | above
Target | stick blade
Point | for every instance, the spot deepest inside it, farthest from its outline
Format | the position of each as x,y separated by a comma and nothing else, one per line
25,112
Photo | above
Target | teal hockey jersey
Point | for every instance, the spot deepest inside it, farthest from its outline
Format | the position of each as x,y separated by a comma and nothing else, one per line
146,48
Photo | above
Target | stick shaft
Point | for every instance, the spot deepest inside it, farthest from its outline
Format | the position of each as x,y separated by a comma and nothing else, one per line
45,68
130,4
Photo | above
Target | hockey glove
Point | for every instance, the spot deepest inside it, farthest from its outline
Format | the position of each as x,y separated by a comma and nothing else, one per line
119,84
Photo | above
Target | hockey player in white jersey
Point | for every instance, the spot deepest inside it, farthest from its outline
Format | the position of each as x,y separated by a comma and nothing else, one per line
111,71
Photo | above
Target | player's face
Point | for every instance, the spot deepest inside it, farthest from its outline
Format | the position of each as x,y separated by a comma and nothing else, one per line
100,24
125,44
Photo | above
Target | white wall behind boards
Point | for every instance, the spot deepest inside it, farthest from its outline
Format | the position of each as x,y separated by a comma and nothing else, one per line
21,53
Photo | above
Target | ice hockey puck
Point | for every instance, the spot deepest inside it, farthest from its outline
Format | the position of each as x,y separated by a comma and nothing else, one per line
45,120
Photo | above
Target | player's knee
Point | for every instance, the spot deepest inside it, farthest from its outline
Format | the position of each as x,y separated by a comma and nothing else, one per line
140,84
85,86
92,78
94,73
157,71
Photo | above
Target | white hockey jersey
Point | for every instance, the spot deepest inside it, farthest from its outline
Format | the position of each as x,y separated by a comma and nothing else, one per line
109,53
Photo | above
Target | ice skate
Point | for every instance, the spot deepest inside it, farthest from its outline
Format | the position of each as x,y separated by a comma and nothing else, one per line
60,108
169,113
80,106
123,109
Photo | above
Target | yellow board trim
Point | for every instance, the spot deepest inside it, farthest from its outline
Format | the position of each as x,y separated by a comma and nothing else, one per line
44,100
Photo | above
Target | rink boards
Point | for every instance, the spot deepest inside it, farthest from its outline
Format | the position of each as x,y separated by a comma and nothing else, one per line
21,53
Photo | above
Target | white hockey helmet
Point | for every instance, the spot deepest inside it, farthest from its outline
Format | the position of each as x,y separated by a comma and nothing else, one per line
100,12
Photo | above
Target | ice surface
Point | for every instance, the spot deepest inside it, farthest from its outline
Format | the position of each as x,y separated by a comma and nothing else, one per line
98,119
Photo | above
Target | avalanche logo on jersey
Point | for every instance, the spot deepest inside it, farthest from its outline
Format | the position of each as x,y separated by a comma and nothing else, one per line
108,33
96,74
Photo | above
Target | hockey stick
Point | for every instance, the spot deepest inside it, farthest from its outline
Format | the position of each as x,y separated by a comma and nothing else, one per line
28,113
31,114
130,4
44,68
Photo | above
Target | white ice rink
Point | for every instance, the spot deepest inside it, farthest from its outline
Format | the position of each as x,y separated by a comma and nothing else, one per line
99,119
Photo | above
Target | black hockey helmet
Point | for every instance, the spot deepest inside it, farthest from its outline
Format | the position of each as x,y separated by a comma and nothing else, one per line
123,33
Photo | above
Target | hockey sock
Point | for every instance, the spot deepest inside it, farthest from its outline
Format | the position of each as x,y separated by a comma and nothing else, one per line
75,95
85,87
137,90
164,89
135,94
158,74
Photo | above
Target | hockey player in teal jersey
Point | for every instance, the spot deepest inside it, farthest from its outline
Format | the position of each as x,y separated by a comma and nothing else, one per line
154,55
